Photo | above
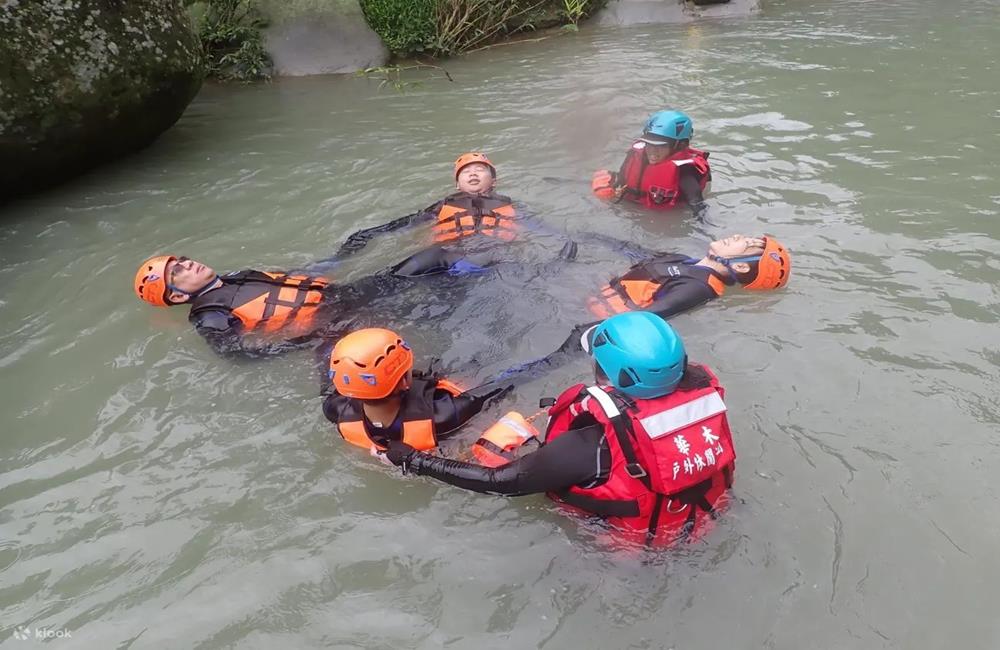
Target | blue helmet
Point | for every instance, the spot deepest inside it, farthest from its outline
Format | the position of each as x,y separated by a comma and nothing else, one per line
667,125
640,354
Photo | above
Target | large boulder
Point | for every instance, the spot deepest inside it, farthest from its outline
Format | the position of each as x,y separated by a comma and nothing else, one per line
86,81
307,37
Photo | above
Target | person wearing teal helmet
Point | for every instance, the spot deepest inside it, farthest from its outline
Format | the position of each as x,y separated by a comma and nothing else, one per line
647,446
661,169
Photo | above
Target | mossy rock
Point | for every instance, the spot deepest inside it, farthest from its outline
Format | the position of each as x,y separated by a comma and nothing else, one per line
86,81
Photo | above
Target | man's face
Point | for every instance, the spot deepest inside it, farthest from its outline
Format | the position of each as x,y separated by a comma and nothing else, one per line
187,275
657,152
475,178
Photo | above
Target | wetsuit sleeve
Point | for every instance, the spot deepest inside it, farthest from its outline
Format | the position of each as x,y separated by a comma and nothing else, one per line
681,297
358,240
571,459
333,404
452,411
690,187
570,350
224,333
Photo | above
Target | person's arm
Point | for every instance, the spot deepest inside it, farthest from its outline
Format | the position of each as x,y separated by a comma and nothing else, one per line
452,411
358,240
571,459
690,188
570,350
224,333
681,297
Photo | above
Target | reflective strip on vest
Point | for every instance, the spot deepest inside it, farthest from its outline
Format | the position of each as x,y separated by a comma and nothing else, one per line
665,422
607,404
686,161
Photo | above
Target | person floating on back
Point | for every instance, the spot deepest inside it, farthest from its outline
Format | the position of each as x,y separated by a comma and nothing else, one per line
252,313
668,284
661,169
378,398
646,446
474,210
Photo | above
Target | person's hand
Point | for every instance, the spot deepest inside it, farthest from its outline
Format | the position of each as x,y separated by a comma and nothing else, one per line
568,251
399,453
619,192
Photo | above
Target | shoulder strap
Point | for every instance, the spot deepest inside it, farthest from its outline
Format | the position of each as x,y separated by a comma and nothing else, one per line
623,432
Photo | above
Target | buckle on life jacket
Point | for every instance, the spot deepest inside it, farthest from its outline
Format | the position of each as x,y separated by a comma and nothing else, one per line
661,195
635,470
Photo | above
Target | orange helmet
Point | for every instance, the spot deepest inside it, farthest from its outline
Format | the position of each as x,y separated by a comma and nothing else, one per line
473,157
774,267
368,363
151,280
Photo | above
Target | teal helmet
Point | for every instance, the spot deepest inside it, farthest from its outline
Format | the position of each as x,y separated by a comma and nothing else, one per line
639,352
667,125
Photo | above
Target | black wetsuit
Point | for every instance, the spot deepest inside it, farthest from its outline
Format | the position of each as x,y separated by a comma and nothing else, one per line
579,457
685,285
344,307
449,411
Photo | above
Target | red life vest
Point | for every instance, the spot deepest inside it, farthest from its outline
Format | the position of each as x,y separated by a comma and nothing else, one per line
658,186
672,458
464,214
266,302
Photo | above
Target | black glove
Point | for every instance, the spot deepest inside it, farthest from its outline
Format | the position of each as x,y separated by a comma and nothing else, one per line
400,454
568,251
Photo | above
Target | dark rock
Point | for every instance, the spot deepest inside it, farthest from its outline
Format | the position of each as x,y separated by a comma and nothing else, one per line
86,81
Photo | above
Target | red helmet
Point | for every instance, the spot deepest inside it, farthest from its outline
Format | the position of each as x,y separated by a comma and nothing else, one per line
774,267
369,363
151,280
473,157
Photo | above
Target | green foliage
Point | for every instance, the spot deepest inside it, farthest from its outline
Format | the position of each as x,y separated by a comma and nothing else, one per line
230,33
405,26
463,25
448,27
574,10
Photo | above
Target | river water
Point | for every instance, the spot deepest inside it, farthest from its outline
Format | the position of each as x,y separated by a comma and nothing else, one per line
154,496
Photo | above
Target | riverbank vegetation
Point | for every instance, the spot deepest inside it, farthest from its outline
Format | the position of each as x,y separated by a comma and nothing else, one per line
441,28
232,39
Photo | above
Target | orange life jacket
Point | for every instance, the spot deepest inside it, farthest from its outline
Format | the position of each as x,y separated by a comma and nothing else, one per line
417,413
266,302
465,214
638,288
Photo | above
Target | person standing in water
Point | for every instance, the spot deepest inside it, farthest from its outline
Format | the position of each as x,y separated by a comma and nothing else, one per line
647,446
661,169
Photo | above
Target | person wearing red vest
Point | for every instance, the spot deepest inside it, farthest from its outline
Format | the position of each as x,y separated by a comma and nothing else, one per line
661,169
475,209
378,398
655,424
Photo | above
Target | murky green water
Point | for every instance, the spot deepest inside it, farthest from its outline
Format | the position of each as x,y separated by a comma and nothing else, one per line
153,496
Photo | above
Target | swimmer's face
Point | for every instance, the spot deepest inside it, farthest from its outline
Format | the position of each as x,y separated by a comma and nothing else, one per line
187,275
657,152
475,178
737,246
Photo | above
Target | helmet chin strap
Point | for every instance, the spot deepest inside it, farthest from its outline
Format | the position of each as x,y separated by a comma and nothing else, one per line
197,292
729,261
